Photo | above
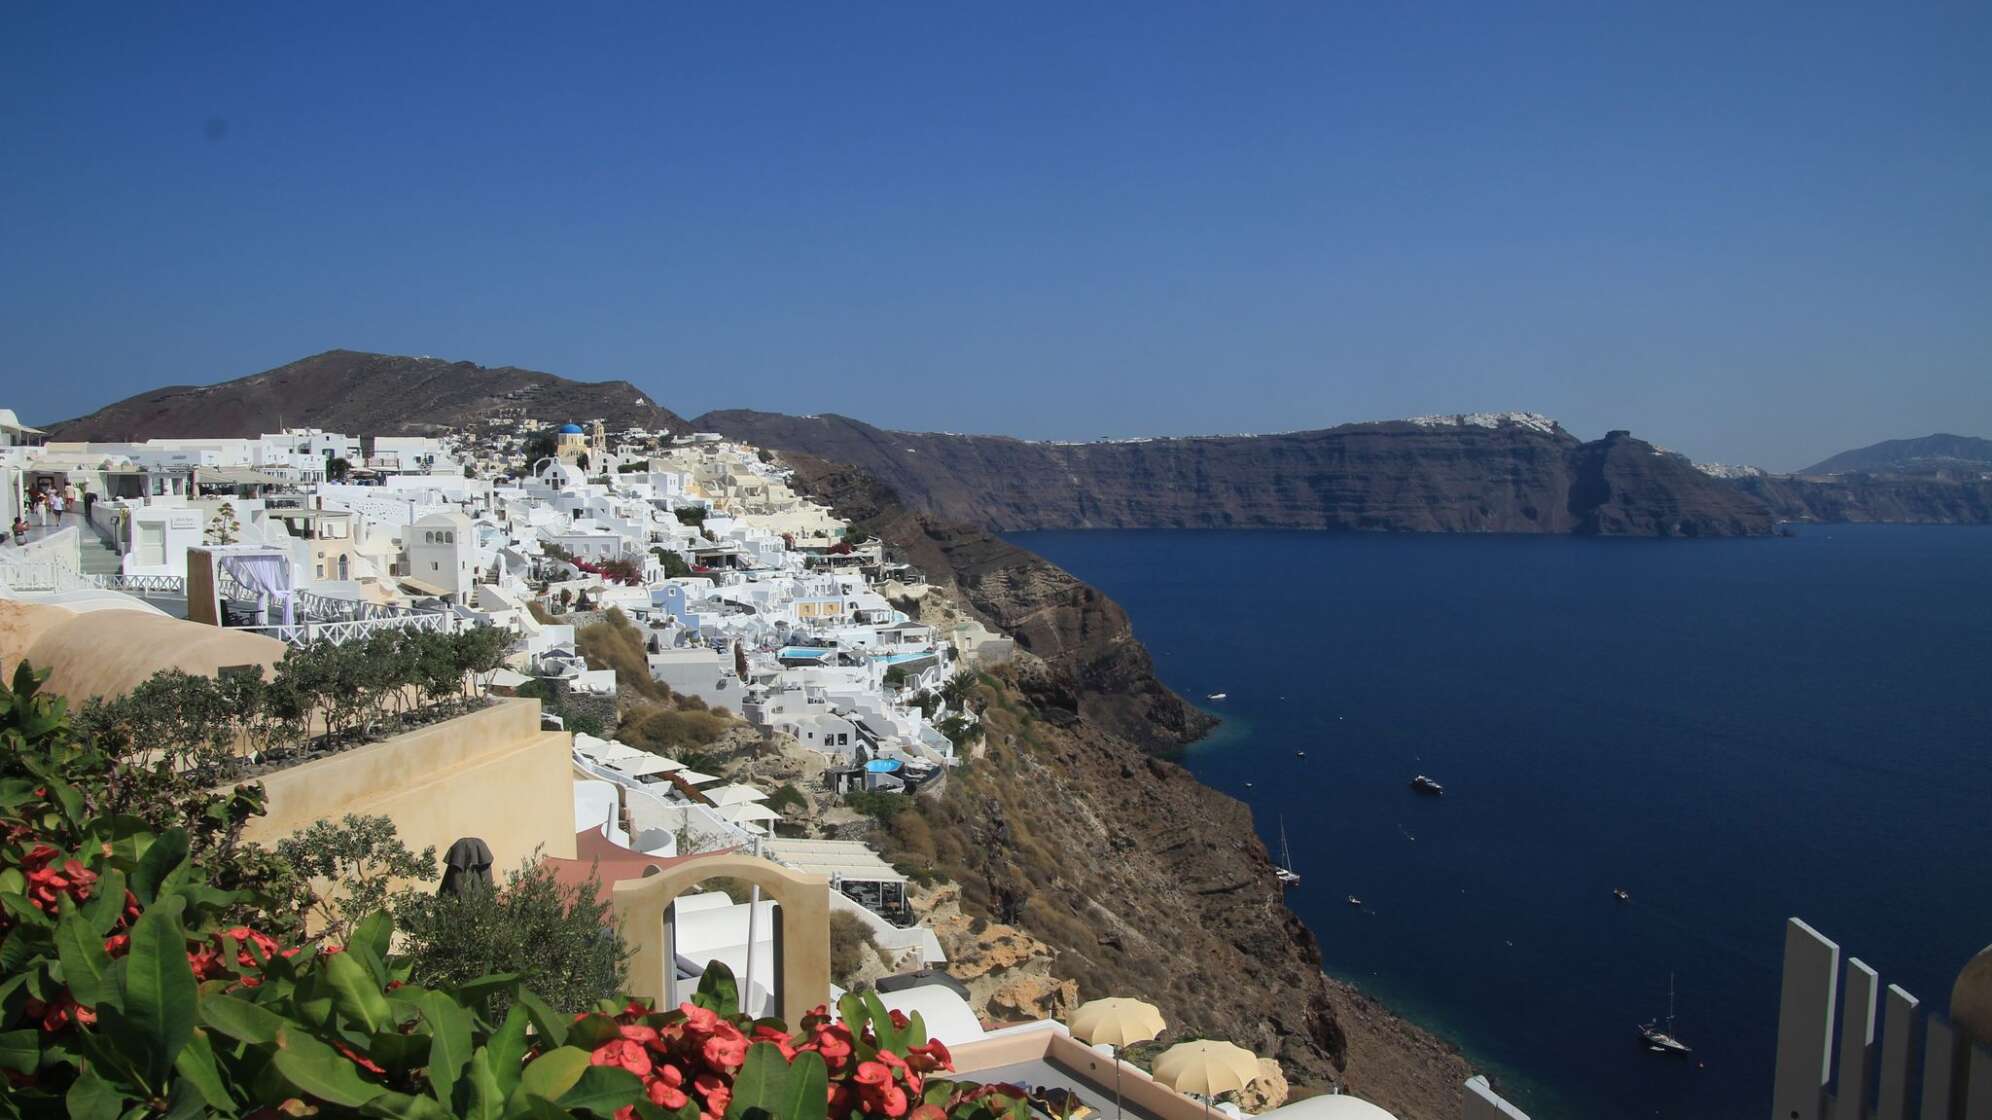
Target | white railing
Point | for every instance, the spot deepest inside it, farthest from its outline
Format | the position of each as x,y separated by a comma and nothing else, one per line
141,585
41,575
341,632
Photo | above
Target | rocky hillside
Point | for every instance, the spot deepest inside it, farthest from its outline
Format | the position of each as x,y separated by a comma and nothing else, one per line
1932,454
1506,473
365,394
1069,827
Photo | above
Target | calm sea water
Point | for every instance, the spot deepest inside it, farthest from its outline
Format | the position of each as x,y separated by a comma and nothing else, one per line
1733,731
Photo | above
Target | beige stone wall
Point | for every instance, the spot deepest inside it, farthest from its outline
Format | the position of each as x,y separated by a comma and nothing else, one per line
108,653
492,774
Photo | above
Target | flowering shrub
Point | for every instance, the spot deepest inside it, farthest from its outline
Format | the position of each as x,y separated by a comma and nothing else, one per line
130,987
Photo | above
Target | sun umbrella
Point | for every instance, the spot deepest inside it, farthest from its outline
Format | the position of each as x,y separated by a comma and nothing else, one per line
643,764
734,795
1118,1023
1207,1068
751,811
694,778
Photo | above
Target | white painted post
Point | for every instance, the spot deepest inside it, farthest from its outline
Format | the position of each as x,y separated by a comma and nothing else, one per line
1939,1064
1850,1095
1901,1042
1805,1024
1483,1103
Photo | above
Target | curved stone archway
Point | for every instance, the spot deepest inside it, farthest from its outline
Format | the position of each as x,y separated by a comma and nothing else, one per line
803,932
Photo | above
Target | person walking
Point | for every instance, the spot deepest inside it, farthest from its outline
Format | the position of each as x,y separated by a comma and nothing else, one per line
89,500
55,503
41,508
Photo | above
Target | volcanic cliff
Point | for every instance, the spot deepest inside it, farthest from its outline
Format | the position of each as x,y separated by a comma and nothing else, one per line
1500,473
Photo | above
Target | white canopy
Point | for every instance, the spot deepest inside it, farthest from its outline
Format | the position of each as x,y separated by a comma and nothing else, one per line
605,750
749,811
693,777
734,795
644,764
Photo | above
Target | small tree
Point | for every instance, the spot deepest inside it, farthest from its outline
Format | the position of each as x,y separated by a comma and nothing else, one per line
348,869
223,527
338,470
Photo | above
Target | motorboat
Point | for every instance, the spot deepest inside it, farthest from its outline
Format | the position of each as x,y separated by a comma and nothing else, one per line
1621,894
1424,785
1216,696
1354,901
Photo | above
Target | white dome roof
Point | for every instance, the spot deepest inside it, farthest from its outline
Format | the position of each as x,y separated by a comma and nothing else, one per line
1329,1108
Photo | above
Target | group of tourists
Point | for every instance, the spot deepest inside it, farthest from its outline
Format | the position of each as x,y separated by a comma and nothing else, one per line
48,503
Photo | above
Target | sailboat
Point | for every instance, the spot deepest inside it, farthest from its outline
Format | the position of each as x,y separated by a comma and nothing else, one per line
1283,870
1663,1041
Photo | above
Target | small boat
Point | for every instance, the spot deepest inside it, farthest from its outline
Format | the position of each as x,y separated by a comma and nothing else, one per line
1300,754
1216,696
1663,1041
1354,901
1283,870
1424,785
1620,894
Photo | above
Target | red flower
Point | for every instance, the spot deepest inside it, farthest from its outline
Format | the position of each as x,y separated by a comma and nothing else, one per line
726,1050
930,1057
637,1032
117,944
842,1100
716,1092
833,1041
663,1095
781,1040
872,1075
59,1013
898,1017
890,1100
206,963
623,1054
699,1020
359,1059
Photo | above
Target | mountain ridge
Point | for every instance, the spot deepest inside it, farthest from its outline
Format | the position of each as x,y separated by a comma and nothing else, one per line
1919,455
362,393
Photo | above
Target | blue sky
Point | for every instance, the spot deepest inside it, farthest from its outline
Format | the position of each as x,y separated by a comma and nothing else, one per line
1754,233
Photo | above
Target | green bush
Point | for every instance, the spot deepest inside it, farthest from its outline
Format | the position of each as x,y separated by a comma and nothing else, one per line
560,940
877,805
852,947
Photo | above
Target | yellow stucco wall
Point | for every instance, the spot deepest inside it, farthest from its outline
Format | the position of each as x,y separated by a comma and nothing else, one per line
492,774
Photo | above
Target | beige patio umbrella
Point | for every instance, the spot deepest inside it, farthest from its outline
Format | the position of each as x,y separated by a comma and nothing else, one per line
1118,1023
1206,1067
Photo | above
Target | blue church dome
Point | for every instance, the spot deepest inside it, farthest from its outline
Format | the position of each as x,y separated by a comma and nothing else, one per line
570,429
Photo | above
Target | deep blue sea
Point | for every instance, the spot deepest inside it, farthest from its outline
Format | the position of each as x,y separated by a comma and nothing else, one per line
1735,731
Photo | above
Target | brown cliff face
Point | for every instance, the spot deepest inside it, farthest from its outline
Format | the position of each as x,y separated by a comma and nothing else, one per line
1901,500
365,394
1101,672
1398,476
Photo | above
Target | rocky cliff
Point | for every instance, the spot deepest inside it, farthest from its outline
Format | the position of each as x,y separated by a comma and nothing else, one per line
1504,473
1901,500
1068,826
365,394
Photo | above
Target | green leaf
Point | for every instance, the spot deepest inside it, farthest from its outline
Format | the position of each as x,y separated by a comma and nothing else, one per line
315,1068
20,1051
370,942
806,1092
166,852
357,993
553,1073
474,993
717,990
241,1020
889,1036
602,1090
83,960
106,906
196,1067
487,1101
549,1024
401,1106
449,1041
160,991
92,1098
758,1085
508,1049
